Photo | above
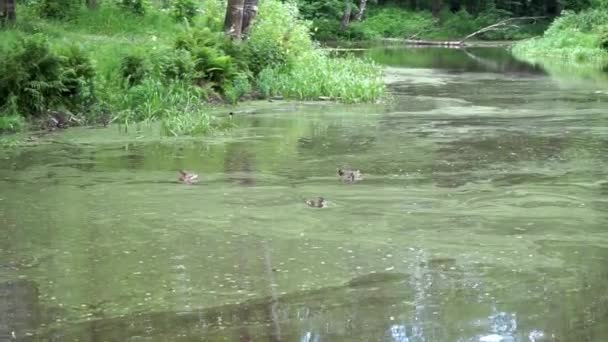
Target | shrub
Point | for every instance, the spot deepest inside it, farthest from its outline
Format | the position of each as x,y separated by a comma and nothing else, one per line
178,65
573,37
137,7
11,123
133,70
211,63
78,78
237,88
58,9
32,75
394,22
278,36
183,10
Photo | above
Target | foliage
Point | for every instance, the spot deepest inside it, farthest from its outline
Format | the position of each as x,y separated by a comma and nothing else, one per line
133,70
11,123
138,7
179,65
574,37
392,22
37,78
58,9
278,36
237,88
315,75
183,10
140,65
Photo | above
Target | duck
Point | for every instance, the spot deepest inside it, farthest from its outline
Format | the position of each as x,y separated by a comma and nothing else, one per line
187,177
348,175
318,202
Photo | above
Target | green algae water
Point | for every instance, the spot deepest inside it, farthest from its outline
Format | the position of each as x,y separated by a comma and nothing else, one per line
482,216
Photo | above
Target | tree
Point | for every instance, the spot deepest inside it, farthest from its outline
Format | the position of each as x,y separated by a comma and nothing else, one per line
239,17
233,23
361,10
436,8
249,13
92,4
7,11
346,16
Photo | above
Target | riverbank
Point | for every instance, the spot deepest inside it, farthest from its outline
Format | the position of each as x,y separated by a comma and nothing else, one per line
112,65
574,38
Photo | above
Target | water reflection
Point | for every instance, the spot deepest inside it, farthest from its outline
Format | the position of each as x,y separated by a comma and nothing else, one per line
482,218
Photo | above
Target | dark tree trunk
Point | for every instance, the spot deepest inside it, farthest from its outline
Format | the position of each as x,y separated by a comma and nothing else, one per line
346,16
233,22
249,13
436,8
92,4
7,11
413,5
361,11
551,8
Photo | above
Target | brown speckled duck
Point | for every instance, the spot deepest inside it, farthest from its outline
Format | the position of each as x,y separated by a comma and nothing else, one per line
318,202
187,177
348,175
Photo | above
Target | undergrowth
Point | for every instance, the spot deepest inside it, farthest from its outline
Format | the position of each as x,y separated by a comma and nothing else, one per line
129,61
572,38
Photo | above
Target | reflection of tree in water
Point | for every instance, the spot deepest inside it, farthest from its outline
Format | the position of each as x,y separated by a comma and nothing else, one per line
19,309
457,161
239,163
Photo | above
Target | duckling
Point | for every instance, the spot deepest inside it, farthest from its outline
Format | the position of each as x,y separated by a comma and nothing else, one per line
318,202
349,176
187,177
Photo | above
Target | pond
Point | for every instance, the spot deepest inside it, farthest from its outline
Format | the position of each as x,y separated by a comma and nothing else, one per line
482,216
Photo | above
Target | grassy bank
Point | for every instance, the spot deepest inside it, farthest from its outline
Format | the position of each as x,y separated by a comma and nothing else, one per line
574,38
121,63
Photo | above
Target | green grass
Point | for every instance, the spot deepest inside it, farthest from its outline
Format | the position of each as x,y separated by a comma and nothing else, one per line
11,123
279,43
316,75
575,38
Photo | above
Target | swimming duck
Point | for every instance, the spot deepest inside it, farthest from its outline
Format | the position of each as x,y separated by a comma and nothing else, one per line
349,176
187,177
318,202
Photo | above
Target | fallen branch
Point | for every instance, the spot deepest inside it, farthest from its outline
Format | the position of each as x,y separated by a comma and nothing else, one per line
501,25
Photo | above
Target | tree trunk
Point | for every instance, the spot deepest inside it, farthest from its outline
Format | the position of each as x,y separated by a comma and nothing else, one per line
414,5
361,11
436,8
249,13
346,16
7,11
92,4
233,22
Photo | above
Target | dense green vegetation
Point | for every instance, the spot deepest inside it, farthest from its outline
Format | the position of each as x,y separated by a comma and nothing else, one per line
430,19
131,61
574,38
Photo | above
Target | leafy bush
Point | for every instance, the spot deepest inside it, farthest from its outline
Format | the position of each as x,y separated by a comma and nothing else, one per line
138,7
278,36
184,10
178,65
237,88
32,75
573,37
133,70
11,123
58,9
394,22
78,78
